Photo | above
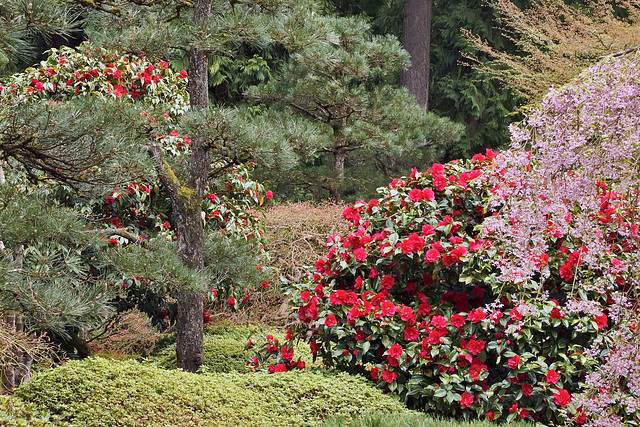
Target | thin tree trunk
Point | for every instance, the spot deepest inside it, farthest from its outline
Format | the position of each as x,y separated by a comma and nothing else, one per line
416,39
189,227
338,169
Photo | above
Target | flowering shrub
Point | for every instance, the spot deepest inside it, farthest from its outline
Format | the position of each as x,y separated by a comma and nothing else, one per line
140,208
412,297
68,72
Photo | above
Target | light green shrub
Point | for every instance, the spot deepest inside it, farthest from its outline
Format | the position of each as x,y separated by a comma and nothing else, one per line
99,392
16,413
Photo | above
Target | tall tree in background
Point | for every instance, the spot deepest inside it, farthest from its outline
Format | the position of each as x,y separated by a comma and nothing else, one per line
416,39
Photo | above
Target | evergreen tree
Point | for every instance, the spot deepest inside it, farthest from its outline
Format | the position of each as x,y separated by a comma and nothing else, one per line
348,89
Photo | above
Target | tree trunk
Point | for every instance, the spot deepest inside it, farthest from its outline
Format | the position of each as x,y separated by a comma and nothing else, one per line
338,169
189,227
416,38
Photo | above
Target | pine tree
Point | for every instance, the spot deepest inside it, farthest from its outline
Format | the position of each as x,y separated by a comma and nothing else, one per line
348,89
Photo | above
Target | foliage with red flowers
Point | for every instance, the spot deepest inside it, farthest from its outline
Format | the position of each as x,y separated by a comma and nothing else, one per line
412,298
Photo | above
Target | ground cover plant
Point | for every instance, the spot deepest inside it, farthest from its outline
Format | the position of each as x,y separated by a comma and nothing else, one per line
499,287
80,392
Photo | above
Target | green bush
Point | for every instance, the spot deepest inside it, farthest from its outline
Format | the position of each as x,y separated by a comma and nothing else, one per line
225,348
99,392
16,413
413,419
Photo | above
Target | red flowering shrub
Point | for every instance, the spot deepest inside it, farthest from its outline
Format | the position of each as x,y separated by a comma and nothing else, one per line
413,299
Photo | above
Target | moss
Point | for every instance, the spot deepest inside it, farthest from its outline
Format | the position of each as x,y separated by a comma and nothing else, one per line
98,392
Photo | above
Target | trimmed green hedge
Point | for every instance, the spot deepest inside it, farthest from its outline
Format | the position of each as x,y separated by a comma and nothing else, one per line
99,392
16,413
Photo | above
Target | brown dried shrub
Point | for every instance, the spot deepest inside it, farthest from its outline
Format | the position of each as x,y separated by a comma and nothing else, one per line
296,235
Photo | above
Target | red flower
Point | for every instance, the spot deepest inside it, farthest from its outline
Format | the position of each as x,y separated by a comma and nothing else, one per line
475,347
113,242
387,282
439,322
305,296
601,321
411,333
280,367
330,321
515,314
527,389
439,183
523,413
457,321
490,416
374,373
264,284
466,400
287,353
389,376
395,351
432,255
562,398
269,195
514,362
552,376
360,254
388,308
428,230
557,314
476,316
231,301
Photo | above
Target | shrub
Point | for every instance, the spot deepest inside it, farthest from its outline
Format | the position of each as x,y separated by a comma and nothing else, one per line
412,298
295,235
128,334
16,413
412,419
226,348
98,392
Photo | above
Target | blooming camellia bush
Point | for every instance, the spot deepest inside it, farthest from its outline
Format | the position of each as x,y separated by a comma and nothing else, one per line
412,297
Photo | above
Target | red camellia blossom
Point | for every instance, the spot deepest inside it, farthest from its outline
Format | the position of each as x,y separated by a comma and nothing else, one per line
523,413
476,316
360,254
269,195
287,353
552,376
281,367
514,362
388,308
475,347
301,364
305,296
457,321
231,301
431,256
527,389
387,282
466,400
389,376
428,230
395,351
374,373
439,322
515,314
562,398
330,321
411,333
412,244
601,321
490,416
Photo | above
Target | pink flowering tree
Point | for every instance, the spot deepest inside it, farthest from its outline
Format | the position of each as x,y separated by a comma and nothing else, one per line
500,287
